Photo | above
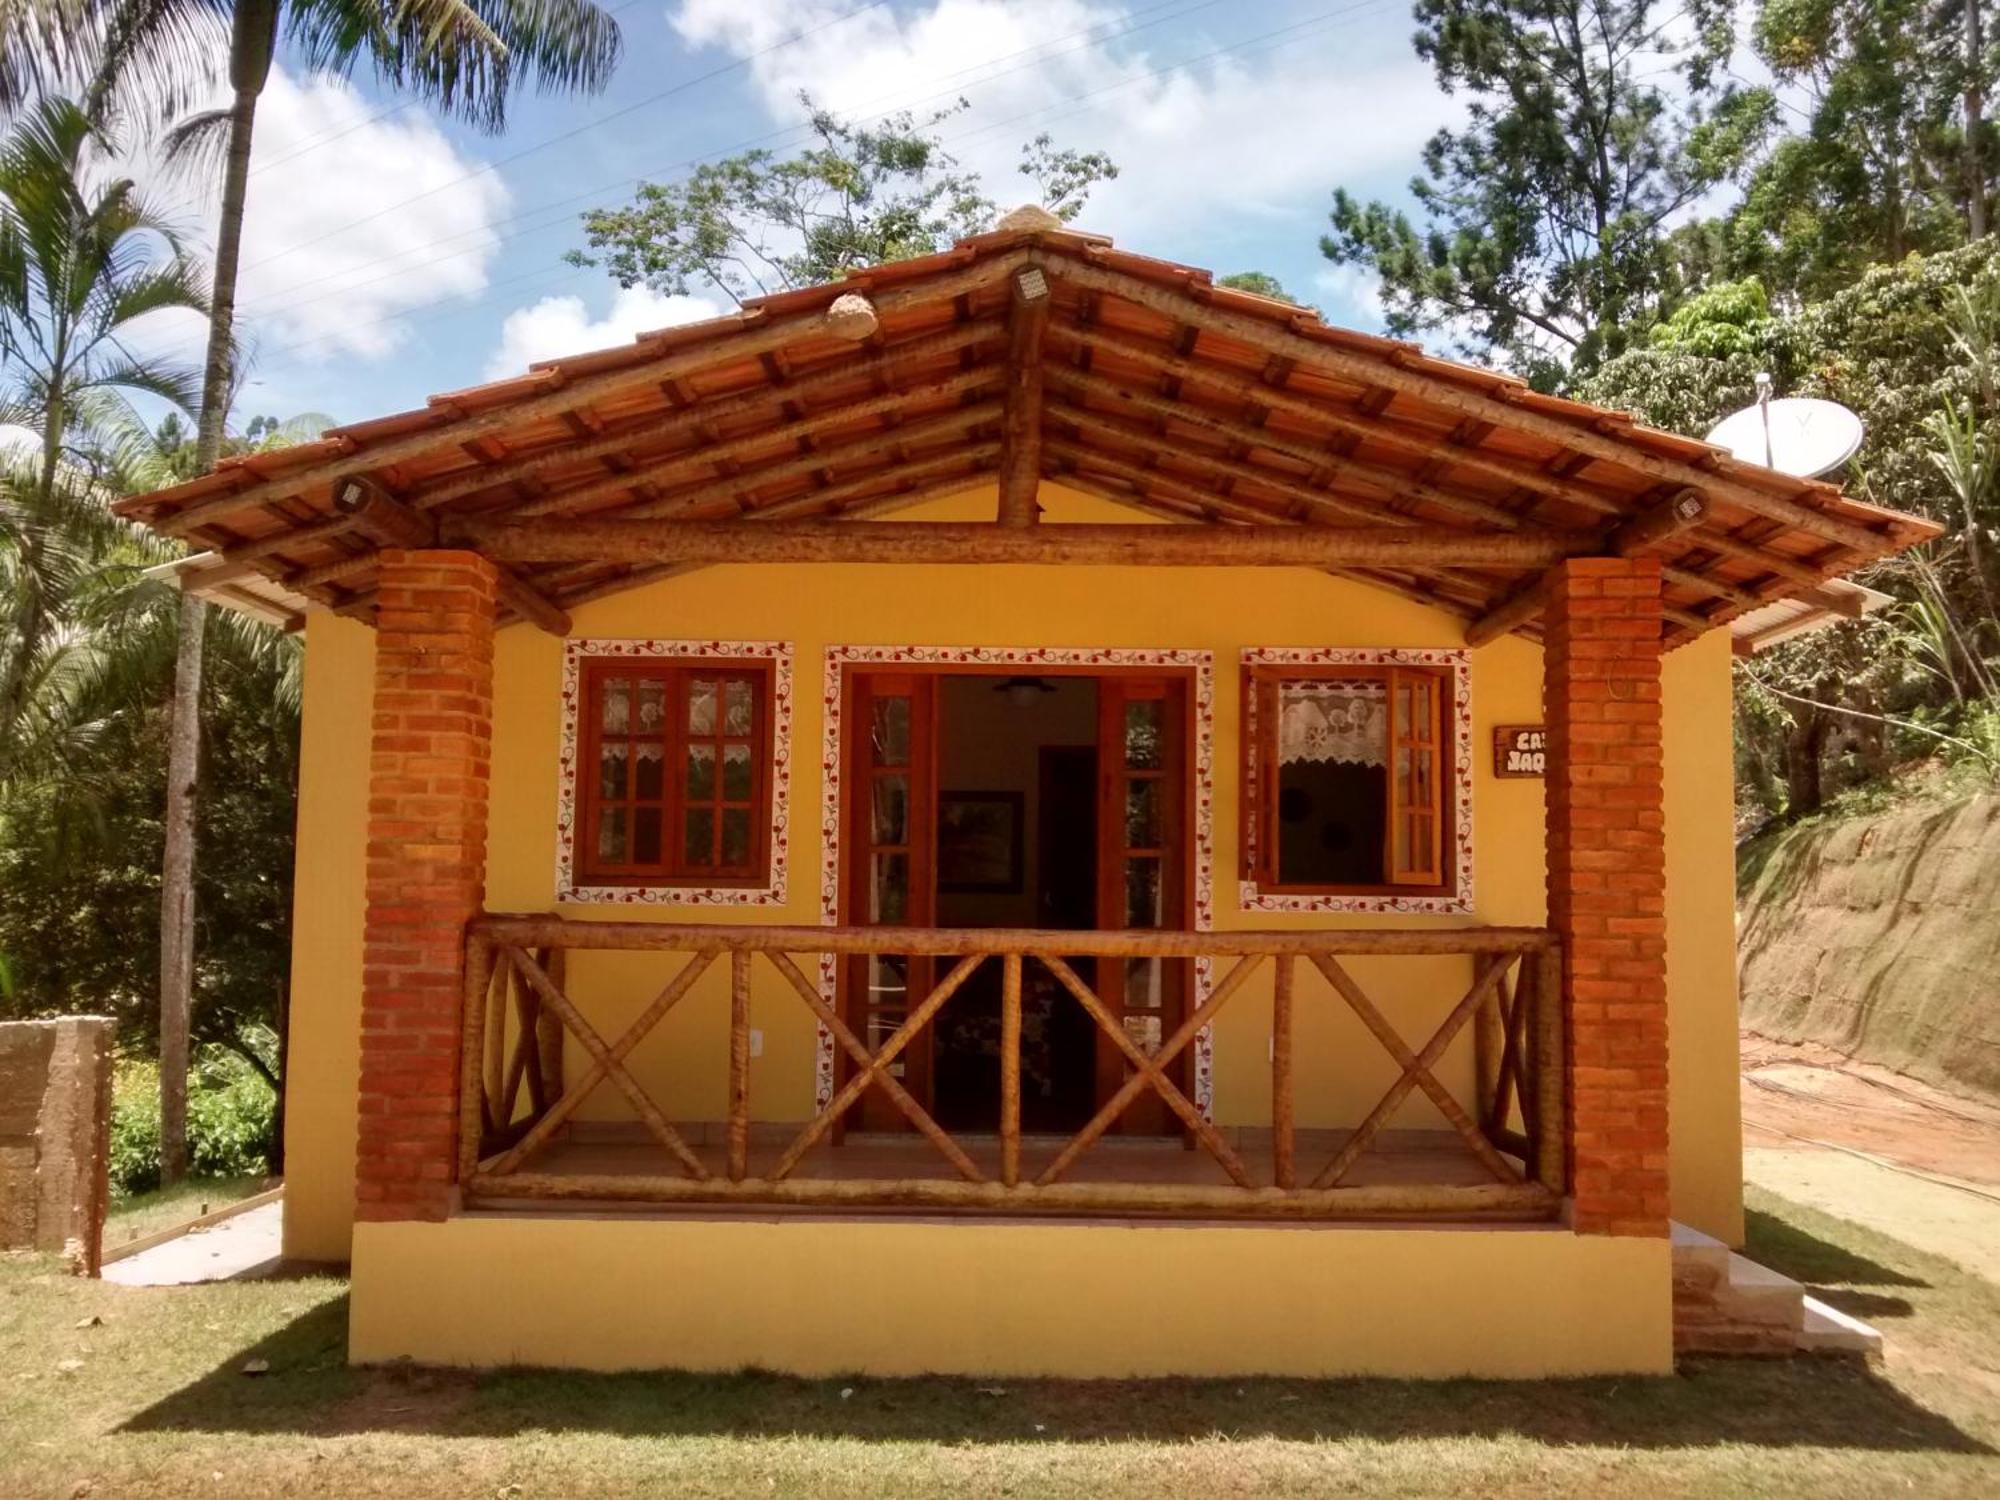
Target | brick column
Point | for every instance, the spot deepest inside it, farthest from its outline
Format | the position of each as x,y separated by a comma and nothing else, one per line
1607,884
427,791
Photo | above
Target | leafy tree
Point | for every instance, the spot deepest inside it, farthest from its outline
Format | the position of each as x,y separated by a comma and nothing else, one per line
1876,172
1541,226
1913,348
1262,283
81,260
859,196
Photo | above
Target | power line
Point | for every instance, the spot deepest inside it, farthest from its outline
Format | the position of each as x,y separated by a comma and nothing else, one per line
1263,42
1036,54
585,128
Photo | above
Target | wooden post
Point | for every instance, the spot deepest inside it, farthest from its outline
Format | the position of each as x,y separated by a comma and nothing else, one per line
739,1064
1010,1069
1488,1044
1546,1019
471,1113
1281,1072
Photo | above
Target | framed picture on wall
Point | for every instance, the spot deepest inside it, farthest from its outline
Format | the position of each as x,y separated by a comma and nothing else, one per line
979,842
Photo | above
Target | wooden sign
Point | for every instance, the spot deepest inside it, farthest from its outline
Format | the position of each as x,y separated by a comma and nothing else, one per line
1520,750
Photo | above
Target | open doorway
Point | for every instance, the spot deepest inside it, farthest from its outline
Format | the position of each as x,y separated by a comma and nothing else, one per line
1056,800
1016,847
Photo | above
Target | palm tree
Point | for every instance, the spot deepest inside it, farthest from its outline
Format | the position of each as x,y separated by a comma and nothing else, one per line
81,260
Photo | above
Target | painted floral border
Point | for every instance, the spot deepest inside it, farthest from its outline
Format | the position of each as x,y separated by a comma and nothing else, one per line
1460,663
839,658
772,893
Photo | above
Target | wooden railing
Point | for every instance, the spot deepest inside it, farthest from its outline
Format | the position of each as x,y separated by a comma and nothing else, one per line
516,1009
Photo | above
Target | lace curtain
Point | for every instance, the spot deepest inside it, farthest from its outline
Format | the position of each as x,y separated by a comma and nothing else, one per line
1333,721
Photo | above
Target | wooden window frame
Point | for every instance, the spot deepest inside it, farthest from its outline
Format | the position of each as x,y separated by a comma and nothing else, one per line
1440,879
673,873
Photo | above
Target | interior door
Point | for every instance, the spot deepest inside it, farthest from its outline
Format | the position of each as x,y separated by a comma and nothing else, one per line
891,810
1141,874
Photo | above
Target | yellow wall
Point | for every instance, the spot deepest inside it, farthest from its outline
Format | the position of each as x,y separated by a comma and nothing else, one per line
1342,1070
1009,1299
324,1055
1704,1101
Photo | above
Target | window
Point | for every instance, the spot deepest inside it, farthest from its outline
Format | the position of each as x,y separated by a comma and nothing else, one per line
1344,779
675,774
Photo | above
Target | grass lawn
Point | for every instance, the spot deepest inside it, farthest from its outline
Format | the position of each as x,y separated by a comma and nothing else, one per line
152,1400
139,1214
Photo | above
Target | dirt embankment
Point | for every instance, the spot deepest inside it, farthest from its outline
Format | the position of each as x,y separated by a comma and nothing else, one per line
1879,938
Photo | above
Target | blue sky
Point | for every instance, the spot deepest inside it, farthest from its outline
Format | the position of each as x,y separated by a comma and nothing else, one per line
389,255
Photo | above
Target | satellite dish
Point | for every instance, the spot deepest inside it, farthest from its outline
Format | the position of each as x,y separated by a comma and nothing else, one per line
1795,435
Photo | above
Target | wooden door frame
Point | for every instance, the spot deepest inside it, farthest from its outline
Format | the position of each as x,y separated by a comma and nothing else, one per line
852,851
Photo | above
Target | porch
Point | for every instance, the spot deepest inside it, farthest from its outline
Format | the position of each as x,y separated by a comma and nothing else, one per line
1501,1156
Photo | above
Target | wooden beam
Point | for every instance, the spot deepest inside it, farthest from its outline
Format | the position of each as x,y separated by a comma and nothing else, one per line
1268,337
1358,424
381,518
1021,427
1660,524
887,365
531,604
980,543
709,456
755,333
1307,451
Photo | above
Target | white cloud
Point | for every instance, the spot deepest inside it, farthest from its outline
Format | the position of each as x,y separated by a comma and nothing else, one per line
1209,153
556,326
1351,296
326,271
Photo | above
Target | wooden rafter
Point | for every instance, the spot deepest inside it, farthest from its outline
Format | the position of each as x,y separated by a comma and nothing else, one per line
1021,428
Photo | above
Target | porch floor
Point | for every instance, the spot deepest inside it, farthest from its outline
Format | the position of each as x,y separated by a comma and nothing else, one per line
1396,1157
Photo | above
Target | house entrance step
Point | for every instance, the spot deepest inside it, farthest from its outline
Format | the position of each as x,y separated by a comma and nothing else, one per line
1725,1303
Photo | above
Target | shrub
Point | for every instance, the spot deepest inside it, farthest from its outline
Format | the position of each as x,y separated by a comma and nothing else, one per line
232,1114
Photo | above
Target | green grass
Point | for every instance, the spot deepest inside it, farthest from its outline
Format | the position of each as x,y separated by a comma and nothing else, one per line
158,1405
139,1214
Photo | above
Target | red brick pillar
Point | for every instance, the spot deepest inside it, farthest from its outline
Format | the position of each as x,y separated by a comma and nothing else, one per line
427,791
1607,884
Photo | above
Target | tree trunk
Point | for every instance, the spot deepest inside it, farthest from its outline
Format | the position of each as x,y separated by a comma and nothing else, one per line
1975,123
1803,753
252,41
177,890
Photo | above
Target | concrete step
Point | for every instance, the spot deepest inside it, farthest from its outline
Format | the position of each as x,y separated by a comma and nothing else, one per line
1725,1303
1828,1330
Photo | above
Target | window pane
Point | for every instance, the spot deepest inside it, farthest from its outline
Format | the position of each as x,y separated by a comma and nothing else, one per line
698,839
889,888
735,837
611,772
701,773
617,705
736,773
1142,814
701,706
891,733
882,1025
649,772
646,835
888,979
891,821
1143,721
1406,790
1332,817
652,707
1144,893
611,836
736,706
1144,983
1420,718
1145,1033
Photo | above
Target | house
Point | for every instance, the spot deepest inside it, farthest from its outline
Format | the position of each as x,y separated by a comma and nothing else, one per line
1023,813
